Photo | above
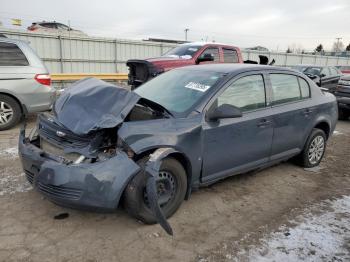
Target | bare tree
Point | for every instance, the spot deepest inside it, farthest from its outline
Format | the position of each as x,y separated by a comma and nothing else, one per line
338,46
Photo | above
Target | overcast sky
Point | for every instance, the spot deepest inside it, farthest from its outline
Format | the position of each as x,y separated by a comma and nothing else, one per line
275,24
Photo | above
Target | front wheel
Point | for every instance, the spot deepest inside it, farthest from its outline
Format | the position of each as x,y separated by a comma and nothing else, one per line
171,187
314,149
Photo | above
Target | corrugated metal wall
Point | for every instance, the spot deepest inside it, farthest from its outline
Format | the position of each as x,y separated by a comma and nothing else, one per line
62,54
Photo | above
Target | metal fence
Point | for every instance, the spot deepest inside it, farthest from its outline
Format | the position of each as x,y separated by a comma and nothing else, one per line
64,54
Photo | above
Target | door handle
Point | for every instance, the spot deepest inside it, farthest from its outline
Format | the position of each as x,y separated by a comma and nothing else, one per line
264,123
307,111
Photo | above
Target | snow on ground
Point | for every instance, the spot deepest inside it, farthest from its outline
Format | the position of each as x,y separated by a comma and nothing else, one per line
11,152
10,183
322,233
336,133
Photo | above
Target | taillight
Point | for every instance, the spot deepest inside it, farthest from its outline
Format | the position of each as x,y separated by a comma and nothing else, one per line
43,79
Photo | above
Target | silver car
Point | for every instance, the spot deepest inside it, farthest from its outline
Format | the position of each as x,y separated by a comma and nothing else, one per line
25,83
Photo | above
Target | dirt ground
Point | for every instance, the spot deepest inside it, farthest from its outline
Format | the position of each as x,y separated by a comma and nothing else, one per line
231,214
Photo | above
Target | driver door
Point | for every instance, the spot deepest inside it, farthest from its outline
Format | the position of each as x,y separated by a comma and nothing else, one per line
234,145
214,51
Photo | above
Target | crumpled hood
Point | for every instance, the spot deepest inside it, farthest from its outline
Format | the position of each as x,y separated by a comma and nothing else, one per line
91,104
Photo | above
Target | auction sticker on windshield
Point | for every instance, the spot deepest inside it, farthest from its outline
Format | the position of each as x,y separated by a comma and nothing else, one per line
197,86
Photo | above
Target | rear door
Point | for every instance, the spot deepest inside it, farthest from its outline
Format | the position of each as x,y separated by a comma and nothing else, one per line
335,76
292,113
230,55
326,78
234,145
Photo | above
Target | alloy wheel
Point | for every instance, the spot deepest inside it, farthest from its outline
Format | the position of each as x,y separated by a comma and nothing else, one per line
6,113
316,150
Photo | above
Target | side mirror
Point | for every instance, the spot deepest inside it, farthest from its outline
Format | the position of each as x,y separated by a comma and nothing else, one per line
322,75
224,111
205,58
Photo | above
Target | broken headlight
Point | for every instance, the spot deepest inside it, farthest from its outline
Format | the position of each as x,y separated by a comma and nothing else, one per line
33,135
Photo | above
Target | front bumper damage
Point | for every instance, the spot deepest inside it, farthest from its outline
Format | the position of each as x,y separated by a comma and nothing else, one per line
88,186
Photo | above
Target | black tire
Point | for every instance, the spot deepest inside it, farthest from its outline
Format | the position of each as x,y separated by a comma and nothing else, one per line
8,102
304,159
343,114
134,198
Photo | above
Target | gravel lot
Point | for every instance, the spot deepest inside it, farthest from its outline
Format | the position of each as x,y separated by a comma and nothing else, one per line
263,216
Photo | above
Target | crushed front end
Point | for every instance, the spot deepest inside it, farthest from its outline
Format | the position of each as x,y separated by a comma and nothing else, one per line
94,182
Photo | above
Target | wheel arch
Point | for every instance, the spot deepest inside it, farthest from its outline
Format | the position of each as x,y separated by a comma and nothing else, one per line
324,126
21,105
179,156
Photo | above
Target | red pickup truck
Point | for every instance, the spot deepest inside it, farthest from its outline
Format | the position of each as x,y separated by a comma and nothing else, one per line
141,71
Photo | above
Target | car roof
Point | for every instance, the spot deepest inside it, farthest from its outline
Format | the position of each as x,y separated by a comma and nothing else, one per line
310,65
207,43
233,68
11,40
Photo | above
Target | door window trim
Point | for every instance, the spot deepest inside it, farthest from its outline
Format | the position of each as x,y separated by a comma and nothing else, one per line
234,79
291,102
212,47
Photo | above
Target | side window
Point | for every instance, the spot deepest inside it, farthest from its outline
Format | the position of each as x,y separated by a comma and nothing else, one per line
11,55
247,93
334,71
285,88
230,55
62,27
304,88
213,51
49,25
325,71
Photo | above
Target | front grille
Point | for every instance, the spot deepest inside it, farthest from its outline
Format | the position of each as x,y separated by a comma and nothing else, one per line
60,191
56,151
30,176
49,129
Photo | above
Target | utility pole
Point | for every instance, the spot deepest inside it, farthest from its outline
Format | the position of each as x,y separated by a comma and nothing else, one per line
186,30
338,40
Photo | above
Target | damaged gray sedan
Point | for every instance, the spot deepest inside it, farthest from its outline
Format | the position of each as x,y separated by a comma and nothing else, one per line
187,128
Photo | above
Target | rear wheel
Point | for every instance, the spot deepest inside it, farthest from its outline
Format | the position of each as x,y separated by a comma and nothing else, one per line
314,149
10,112
171,186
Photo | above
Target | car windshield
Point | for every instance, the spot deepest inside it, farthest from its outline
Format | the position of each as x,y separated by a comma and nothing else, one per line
184,51
299,68
313,70
178,90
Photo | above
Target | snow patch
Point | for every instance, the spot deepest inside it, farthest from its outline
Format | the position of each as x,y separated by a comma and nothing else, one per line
321,237
11,184
11,152
336,133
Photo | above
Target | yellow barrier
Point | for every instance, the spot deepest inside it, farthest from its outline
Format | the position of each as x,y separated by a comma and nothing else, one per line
73,77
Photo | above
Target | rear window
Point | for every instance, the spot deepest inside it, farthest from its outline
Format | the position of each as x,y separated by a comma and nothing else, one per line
230,55
285,88
11,55
288,88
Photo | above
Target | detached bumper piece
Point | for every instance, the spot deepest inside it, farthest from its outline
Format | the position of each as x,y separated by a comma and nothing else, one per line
96,186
